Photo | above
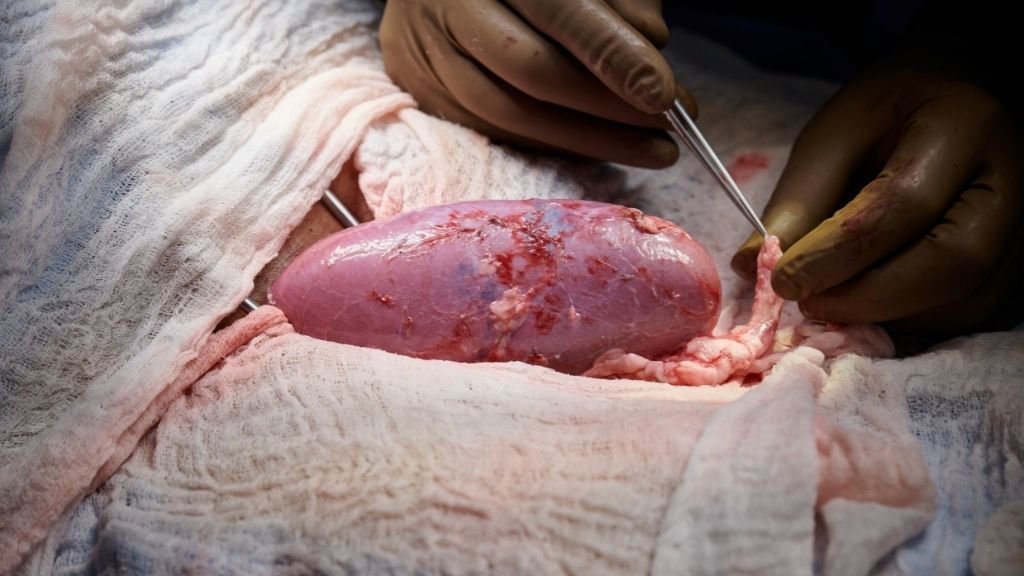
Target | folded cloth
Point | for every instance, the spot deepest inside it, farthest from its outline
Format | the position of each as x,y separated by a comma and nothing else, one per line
298,455
155,155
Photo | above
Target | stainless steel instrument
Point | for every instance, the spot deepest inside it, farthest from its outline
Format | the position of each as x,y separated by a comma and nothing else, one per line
694,140
339,211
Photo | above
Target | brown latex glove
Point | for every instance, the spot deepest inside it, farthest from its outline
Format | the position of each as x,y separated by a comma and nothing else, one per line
902,202
578,76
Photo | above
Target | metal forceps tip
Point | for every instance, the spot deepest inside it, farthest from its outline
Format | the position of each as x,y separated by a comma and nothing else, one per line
687,131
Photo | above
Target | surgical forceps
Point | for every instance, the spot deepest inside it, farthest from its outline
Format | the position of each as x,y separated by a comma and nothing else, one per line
694,140
338,210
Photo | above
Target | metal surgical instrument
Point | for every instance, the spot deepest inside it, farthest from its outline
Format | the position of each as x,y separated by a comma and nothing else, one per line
694,140
339,211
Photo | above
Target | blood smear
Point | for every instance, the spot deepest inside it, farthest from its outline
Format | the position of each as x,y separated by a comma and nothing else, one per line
744,167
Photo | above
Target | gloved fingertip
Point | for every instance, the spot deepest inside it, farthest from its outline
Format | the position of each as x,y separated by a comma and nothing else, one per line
657,95
652,26
664,153
653,153
657,31
789,284
649,83
812,309
744,261
688,100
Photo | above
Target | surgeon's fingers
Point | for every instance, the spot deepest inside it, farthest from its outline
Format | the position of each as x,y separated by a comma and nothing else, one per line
623,59
994,305
942,267
645,16
518,54
487,104
935,158
826,156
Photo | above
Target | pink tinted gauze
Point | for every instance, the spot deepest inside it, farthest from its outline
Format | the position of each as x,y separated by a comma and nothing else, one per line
190,137
155,156
331,455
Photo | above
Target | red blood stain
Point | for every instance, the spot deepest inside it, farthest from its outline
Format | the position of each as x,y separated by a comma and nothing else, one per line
501,354
382,298
600,270
452,346
545,316
862,220
461,329
532,260
536,248
537,359
863,216
745,166
752,379
544,320
553,300
503,268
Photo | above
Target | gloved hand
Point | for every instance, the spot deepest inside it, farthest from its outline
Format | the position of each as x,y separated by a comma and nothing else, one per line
902,201
578,76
